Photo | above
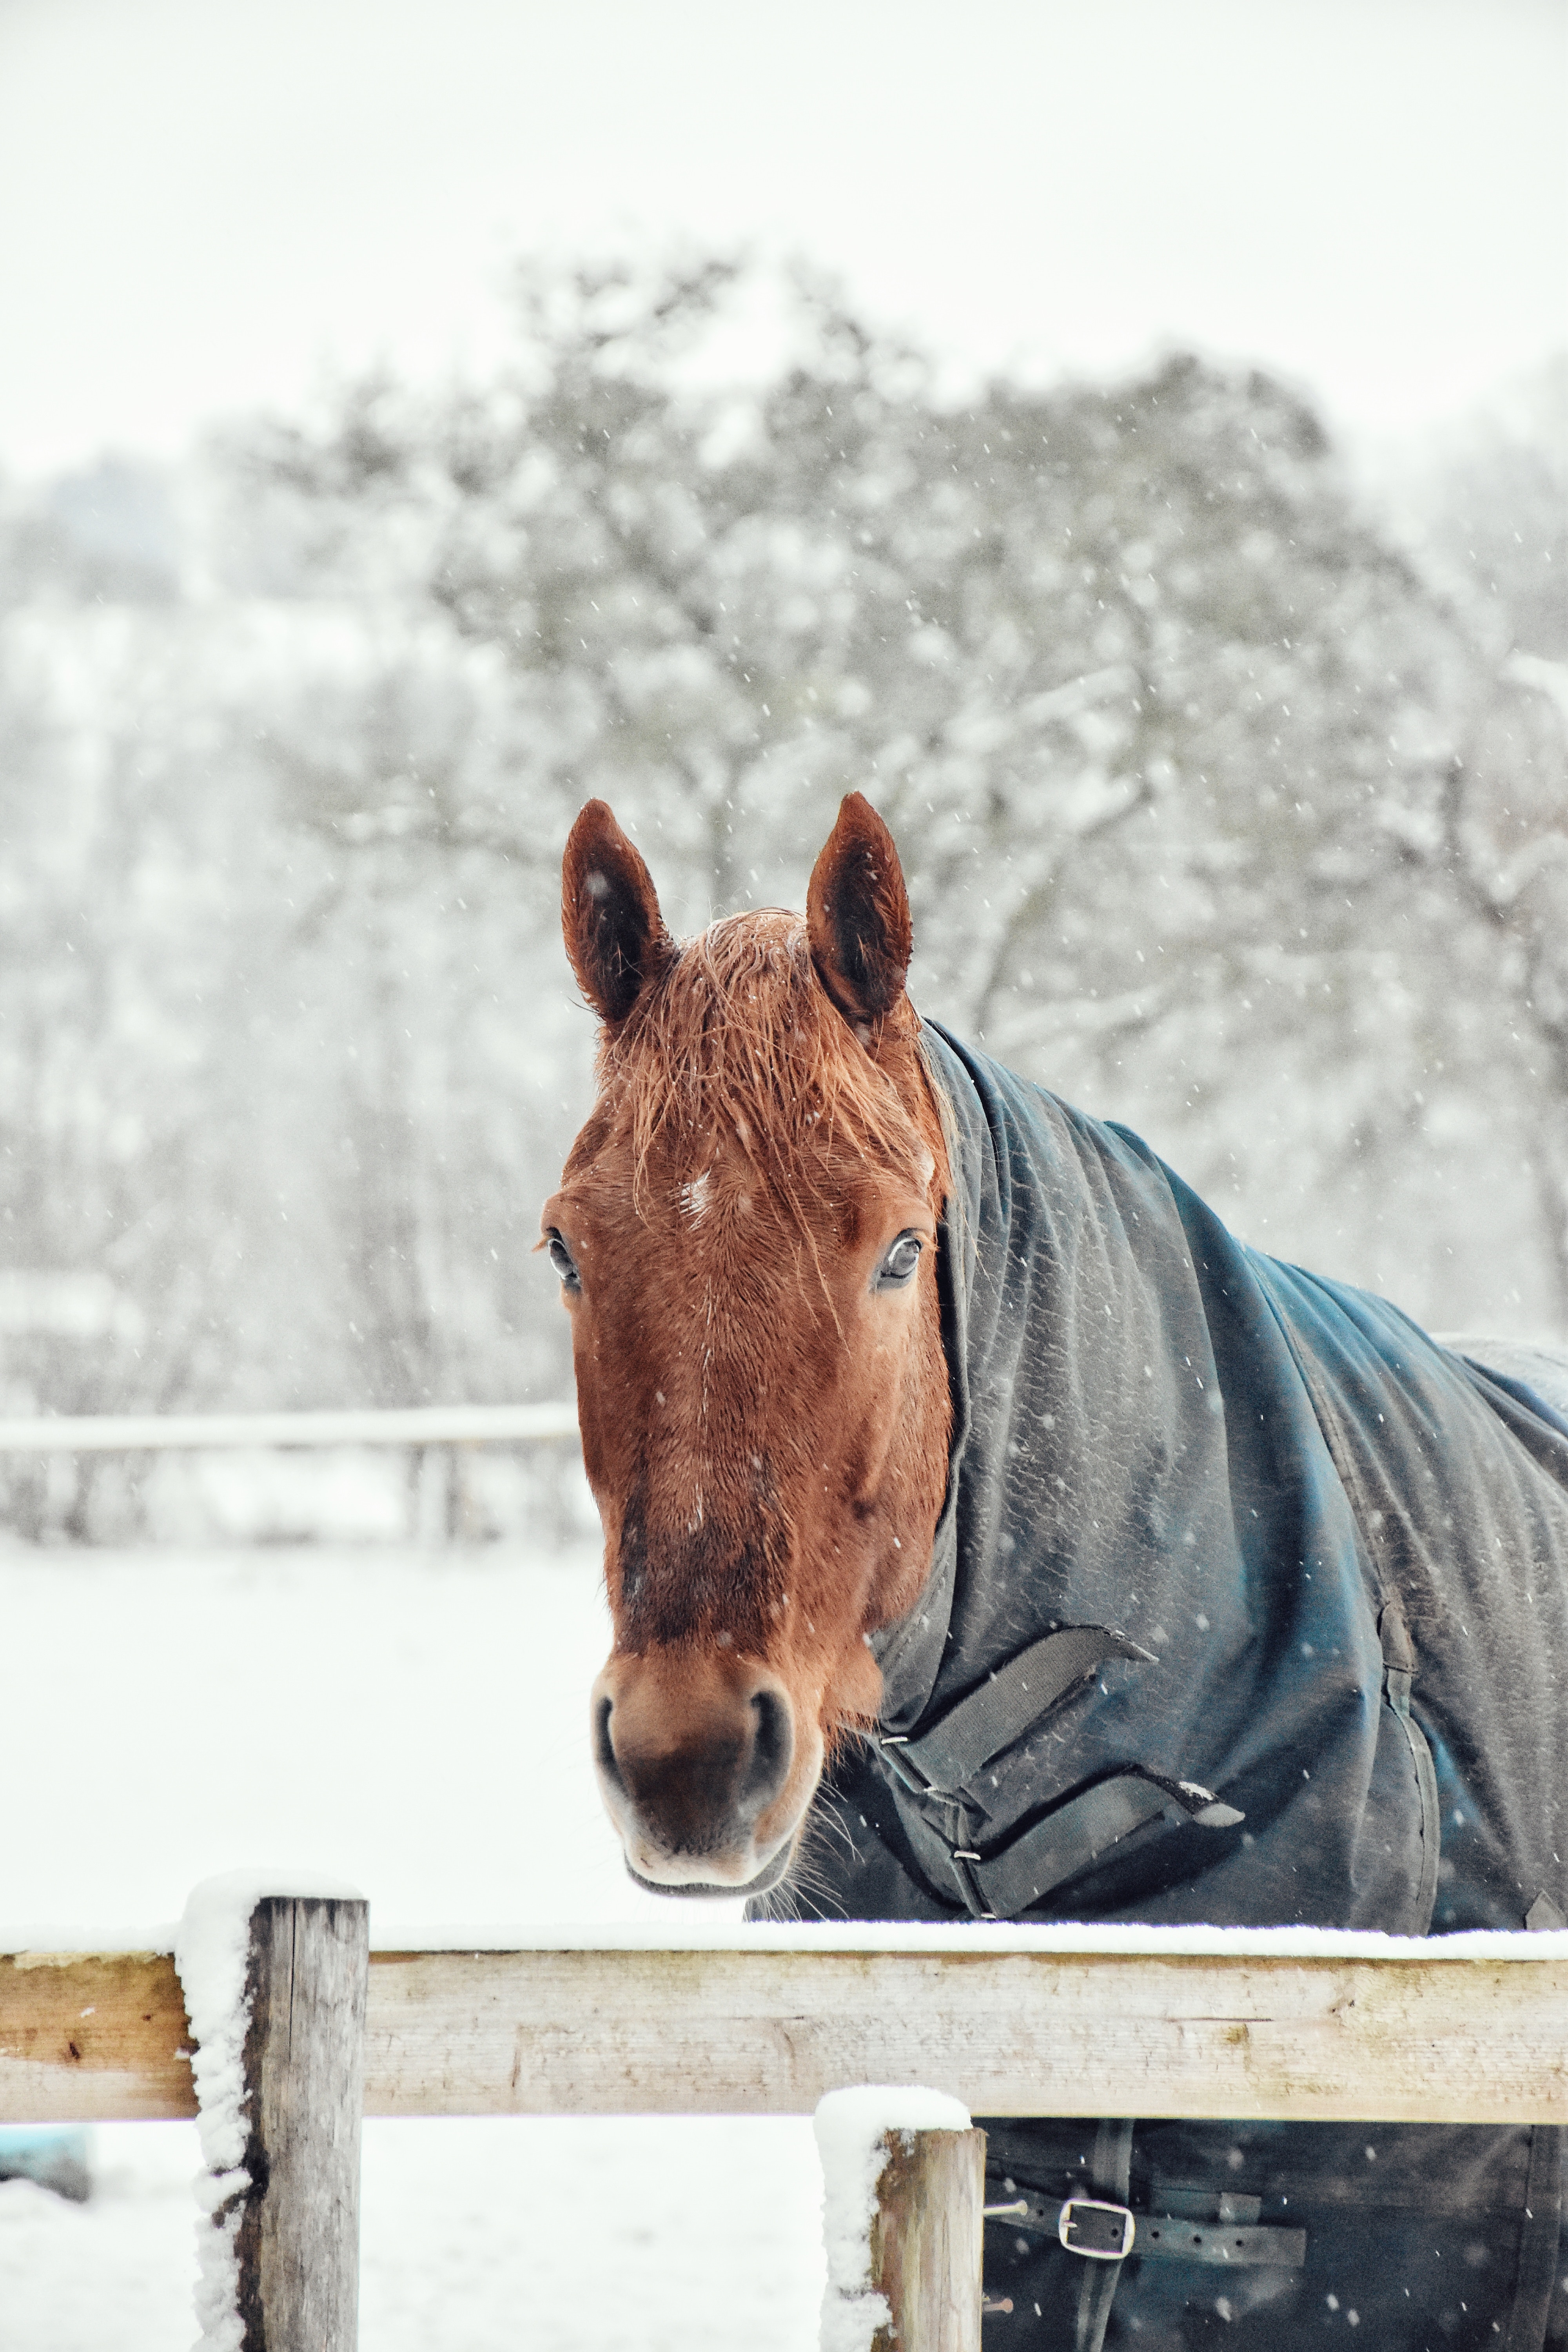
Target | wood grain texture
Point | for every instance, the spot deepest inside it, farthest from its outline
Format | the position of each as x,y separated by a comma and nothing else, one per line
758,2032
92,2038
927,2239
297,2245
768,2032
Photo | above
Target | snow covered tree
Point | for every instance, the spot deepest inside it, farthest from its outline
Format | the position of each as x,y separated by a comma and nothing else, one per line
1166,730
1221,814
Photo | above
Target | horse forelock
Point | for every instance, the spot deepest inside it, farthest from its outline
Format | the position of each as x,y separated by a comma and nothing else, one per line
739,1036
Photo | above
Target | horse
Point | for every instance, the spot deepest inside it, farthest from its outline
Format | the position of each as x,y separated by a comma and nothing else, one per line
989,1533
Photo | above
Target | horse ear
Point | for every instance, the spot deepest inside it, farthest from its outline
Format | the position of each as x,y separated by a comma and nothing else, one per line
615,936
857,916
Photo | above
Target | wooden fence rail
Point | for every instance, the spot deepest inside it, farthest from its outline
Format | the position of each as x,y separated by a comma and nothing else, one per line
767,2031
165,1432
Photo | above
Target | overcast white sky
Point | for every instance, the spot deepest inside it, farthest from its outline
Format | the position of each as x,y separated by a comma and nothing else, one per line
206,203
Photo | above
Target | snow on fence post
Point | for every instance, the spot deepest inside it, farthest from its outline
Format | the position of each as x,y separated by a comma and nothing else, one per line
275,1989
903,2193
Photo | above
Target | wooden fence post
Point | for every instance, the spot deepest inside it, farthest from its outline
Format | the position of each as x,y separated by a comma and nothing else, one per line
926,2240
297,2241
903,2191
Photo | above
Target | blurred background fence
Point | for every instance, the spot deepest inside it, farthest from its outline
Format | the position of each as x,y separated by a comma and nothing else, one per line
1233,805
448,1474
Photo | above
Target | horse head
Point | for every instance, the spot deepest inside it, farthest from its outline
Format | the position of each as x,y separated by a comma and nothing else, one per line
746,1235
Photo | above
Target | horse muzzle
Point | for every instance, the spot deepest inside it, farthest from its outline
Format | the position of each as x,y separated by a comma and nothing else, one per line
699,1770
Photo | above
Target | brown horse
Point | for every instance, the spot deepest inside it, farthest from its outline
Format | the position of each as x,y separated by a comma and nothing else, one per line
746,1235
1167,1479
1173,1582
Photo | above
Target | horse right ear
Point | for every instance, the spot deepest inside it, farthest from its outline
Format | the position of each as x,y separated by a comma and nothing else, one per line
615,936
858,917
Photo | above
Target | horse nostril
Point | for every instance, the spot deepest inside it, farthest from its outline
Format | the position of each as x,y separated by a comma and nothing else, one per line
603,1746
773,1748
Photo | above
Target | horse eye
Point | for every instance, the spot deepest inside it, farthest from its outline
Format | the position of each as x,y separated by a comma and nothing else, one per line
562,1259
901,1262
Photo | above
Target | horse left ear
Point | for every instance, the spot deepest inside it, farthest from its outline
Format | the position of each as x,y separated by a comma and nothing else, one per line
858,917
616,935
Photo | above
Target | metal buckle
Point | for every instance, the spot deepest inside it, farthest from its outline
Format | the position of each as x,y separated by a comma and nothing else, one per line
1105,2234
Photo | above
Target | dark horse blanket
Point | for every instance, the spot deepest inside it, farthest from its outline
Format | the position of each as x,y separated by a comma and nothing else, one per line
1248,1605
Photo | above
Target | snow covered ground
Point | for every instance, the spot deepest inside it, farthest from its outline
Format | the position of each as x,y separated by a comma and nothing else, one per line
417,1722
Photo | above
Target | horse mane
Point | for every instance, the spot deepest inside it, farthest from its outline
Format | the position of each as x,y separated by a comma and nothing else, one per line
739,1030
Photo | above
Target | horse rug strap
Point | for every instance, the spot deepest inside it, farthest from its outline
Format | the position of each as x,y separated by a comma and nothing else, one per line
1176,2225
1154,2237
942,1762
1111,2170
1434,2235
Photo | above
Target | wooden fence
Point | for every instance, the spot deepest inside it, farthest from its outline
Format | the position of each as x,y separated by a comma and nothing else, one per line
436,1438
136,1433
1474,2029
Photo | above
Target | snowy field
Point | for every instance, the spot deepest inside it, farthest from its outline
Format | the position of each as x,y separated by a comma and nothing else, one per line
417,1722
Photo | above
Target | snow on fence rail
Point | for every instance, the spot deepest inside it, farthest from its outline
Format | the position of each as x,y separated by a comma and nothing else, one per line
1266,2024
